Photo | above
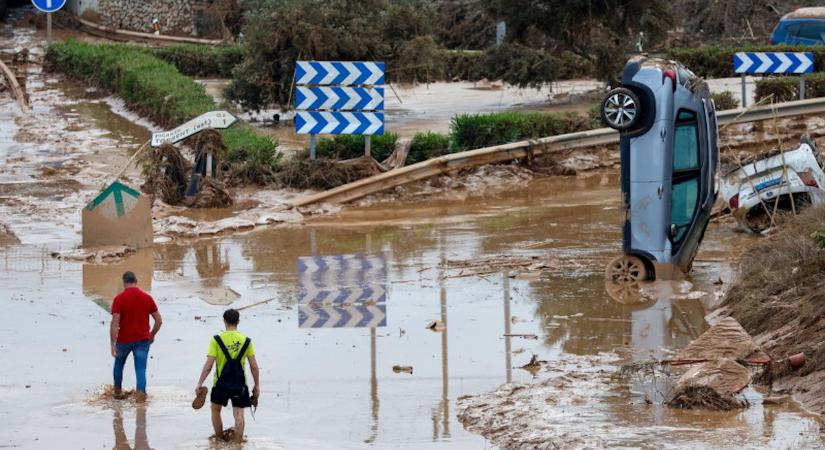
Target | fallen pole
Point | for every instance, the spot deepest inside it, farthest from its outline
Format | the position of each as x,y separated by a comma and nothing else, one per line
518,150
16,89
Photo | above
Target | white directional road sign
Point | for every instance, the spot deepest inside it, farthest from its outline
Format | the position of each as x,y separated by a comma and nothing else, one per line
212,119
48,6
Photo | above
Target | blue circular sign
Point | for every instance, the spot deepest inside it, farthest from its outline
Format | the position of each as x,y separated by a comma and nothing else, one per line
48,6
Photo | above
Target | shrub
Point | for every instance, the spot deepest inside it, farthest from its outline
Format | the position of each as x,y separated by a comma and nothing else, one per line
725,100
201,60
154,89
471,131
303,173
428,145
787,88
349,146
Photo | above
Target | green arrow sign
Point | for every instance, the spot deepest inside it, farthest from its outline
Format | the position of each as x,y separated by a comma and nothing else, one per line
119,194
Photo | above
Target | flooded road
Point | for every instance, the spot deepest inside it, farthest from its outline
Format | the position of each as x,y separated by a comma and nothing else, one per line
336,387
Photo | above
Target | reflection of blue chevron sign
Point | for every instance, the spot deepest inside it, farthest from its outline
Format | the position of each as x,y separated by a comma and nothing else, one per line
358,316
773,62
339,98
318,122
115,201
341,73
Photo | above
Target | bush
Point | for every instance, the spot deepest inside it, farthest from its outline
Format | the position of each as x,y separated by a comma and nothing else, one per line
471,131
303,173
154,89
724,100
428,145
201,60
787,88
349,146
716,62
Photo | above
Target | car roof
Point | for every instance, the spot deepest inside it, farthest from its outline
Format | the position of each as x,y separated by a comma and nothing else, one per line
817,12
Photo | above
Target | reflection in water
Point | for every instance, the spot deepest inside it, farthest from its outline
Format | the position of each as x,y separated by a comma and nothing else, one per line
442,410
508,356
102,282
210,263
141,441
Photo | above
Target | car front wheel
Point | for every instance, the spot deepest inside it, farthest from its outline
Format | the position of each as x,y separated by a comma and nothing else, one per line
621,109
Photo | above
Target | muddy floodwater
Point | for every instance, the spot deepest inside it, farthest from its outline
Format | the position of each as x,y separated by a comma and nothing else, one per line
336,387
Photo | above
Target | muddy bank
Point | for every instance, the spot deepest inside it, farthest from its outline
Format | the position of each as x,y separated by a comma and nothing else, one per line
779,297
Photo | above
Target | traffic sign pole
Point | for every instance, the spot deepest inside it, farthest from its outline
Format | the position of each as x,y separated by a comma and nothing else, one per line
312,143
367,145
49,28
801,88
744,92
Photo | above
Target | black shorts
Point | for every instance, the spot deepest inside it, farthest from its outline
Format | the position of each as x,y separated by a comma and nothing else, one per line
221,397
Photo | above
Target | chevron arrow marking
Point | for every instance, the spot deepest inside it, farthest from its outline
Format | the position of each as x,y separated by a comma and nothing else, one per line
328,122
369,316
343,73
773,62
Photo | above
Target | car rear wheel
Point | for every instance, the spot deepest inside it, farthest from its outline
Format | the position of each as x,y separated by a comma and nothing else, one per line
626,269
621,109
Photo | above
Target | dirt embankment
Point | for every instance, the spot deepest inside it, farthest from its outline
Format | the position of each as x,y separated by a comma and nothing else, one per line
779,298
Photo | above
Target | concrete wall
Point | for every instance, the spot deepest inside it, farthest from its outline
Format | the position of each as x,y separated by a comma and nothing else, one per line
176,16
78,7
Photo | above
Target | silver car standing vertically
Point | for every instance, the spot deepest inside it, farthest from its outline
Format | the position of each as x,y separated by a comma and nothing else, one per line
669,159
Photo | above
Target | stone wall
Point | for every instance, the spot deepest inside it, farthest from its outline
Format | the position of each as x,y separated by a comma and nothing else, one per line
176,16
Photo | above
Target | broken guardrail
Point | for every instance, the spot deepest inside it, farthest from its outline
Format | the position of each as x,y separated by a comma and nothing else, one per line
534,147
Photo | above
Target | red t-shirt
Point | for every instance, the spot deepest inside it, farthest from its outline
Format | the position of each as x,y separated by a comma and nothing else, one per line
134,307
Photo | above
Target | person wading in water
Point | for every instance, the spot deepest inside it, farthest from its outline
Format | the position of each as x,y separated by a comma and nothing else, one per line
230,349
129,332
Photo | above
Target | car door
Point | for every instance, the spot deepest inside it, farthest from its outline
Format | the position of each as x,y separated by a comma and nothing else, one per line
686,176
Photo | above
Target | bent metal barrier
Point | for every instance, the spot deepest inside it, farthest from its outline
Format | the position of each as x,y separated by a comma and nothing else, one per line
535,147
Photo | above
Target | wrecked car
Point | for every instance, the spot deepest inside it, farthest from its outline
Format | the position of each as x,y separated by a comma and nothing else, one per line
782,181
669,159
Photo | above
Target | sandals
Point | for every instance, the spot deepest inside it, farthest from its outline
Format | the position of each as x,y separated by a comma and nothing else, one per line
200,397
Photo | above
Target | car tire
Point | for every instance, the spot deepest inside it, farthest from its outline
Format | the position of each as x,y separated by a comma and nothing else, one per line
621,109
626,269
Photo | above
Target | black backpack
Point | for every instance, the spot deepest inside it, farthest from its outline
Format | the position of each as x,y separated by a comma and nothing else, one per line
232,379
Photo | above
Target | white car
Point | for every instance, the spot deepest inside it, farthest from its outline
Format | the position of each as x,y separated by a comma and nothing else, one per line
782,182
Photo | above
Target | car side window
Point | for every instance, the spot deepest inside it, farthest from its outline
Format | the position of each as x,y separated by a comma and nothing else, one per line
684,196
686,142
814,31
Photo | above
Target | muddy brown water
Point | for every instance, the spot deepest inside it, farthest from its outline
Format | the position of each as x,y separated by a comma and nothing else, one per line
335,388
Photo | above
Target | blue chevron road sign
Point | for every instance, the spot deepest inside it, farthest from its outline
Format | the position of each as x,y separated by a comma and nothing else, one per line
48,6
339,98
333,122
340,73
773,62
356,316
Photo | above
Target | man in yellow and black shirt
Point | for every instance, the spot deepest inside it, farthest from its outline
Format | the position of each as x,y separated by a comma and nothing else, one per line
231,349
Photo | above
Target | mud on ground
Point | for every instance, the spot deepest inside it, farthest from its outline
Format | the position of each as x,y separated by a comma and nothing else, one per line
779,297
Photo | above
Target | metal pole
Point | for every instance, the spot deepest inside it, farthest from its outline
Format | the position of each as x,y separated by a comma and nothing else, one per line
312,146
367,145
49,28
744,92
802,88
508,357
208,164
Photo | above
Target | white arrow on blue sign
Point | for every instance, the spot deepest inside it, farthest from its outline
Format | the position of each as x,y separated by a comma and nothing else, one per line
48,6
339,98
319,122
340,73
773,62
359,316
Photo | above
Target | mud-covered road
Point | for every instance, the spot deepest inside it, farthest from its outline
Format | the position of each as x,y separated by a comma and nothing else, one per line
335,387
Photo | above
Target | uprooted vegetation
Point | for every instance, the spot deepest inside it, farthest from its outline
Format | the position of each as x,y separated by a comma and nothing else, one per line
154,89
779,298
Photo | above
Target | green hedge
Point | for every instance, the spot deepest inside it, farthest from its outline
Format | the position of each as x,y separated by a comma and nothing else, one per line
201,60
349,146
724,100
428,145
716,62
471,131
787,88
150,87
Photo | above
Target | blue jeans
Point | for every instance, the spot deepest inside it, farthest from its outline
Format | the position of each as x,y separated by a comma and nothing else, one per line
141,357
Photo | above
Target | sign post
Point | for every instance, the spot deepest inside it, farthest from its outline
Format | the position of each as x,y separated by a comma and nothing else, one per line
339,97
213,119
781,63
48,7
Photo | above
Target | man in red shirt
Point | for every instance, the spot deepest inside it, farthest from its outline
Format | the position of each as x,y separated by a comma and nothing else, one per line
130,333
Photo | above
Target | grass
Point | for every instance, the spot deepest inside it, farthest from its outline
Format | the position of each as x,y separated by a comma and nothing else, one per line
153,88
471,131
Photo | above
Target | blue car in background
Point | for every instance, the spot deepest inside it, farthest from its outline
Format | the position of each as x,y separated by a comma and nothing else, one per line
805,26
